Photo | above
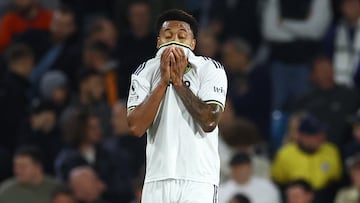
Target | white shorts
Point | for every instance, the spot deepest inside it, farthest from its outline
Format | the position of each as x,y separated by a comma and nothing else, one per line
179,191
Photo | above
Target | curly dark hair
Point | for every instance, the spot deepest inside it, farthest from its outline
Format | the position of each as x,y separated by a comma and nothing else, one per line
178,15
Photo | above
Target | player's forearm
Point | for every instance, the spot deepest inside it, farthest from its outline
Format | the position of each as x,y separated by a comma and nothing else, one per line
140,118
207,115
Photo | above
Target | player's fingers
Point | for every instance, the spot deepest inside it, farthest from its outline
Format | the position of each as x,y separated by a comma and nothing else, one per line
180,52
175,52
166,53
170,53
172,59
162,58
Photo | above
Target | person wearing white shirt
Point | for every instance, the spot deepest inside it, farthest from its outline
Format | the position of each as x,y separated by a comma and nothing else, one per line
258,190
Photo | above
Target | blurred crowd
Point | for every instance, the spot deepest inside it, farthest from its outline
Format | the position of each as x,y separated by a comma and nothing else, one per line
290,132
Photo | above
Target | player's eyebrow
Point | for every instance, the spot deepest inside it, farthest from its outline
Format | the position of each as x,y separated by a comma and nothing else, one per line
181,29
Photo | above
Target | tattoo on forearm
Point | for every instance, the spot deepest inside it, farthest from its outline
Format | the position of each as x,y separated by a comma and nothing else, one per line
207,115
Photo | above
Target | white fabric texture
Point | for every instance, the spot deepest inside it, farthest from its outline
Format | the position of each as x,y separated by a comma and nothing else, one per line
346,54
179,191
286,30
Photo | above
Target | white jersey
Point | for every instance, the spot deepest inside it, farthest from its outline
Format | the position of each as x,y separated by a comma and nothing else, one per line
177,147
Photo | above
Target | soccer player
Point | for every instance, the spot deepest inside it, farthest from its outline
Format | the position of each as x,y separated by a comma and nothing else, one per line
178,98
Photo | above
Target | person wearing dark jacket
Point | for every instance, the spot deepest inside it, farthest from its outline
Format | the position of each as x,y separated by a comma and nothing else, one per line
137,44
249,84
40,130
58,48
14,102
331,102
83,135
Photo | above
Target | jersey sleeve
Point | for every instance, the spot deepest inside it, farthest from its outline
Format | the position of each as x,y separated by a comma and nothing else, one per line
139,90
213,84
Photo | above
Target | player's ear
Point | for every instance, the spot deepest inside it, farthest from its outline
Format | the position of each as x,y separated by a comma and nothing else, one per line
158,42
193,44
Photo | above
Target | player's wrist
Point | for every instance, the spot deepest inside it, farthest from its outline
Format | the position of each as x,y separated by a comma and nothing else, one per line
179,84
164,83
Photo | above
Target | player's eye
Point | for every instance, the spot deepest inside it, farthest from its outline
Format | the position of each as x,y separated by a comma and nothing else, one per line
182,36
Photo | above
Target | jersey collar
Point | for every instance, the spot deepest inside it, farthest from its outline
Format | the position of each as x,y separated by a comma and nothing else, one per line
186,48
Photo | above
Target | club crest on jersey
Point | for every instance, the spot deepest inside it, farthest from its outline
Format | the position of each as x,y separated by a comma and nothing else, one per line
134,86
325,167
188,68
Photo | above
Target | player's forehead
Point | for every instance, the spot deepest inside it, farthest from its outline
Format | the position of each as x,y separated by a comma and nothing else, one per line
175,25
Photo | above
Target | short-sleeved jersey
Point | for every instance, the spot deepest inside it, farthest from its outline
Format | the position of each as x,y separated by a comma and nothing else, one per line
177,147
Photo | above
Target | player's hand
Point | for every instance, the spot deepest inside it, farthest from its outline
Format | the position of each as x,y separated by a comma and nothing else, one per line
179,61
165,66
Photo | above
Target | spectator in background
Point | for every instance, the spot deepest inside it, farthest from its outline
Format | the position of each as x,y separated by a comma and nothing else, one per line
236,18
97,56
240,198
353,147
207,44
104,30
243,181
299,191
86,185
40,130
241,136
311,158
6,5
30,184
138,43
293,29
91,96
351,194
54,88
128,148
329,102
28,14
342,43
55,49
292,131
13,98
83,135
93,8
63,194
249,85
